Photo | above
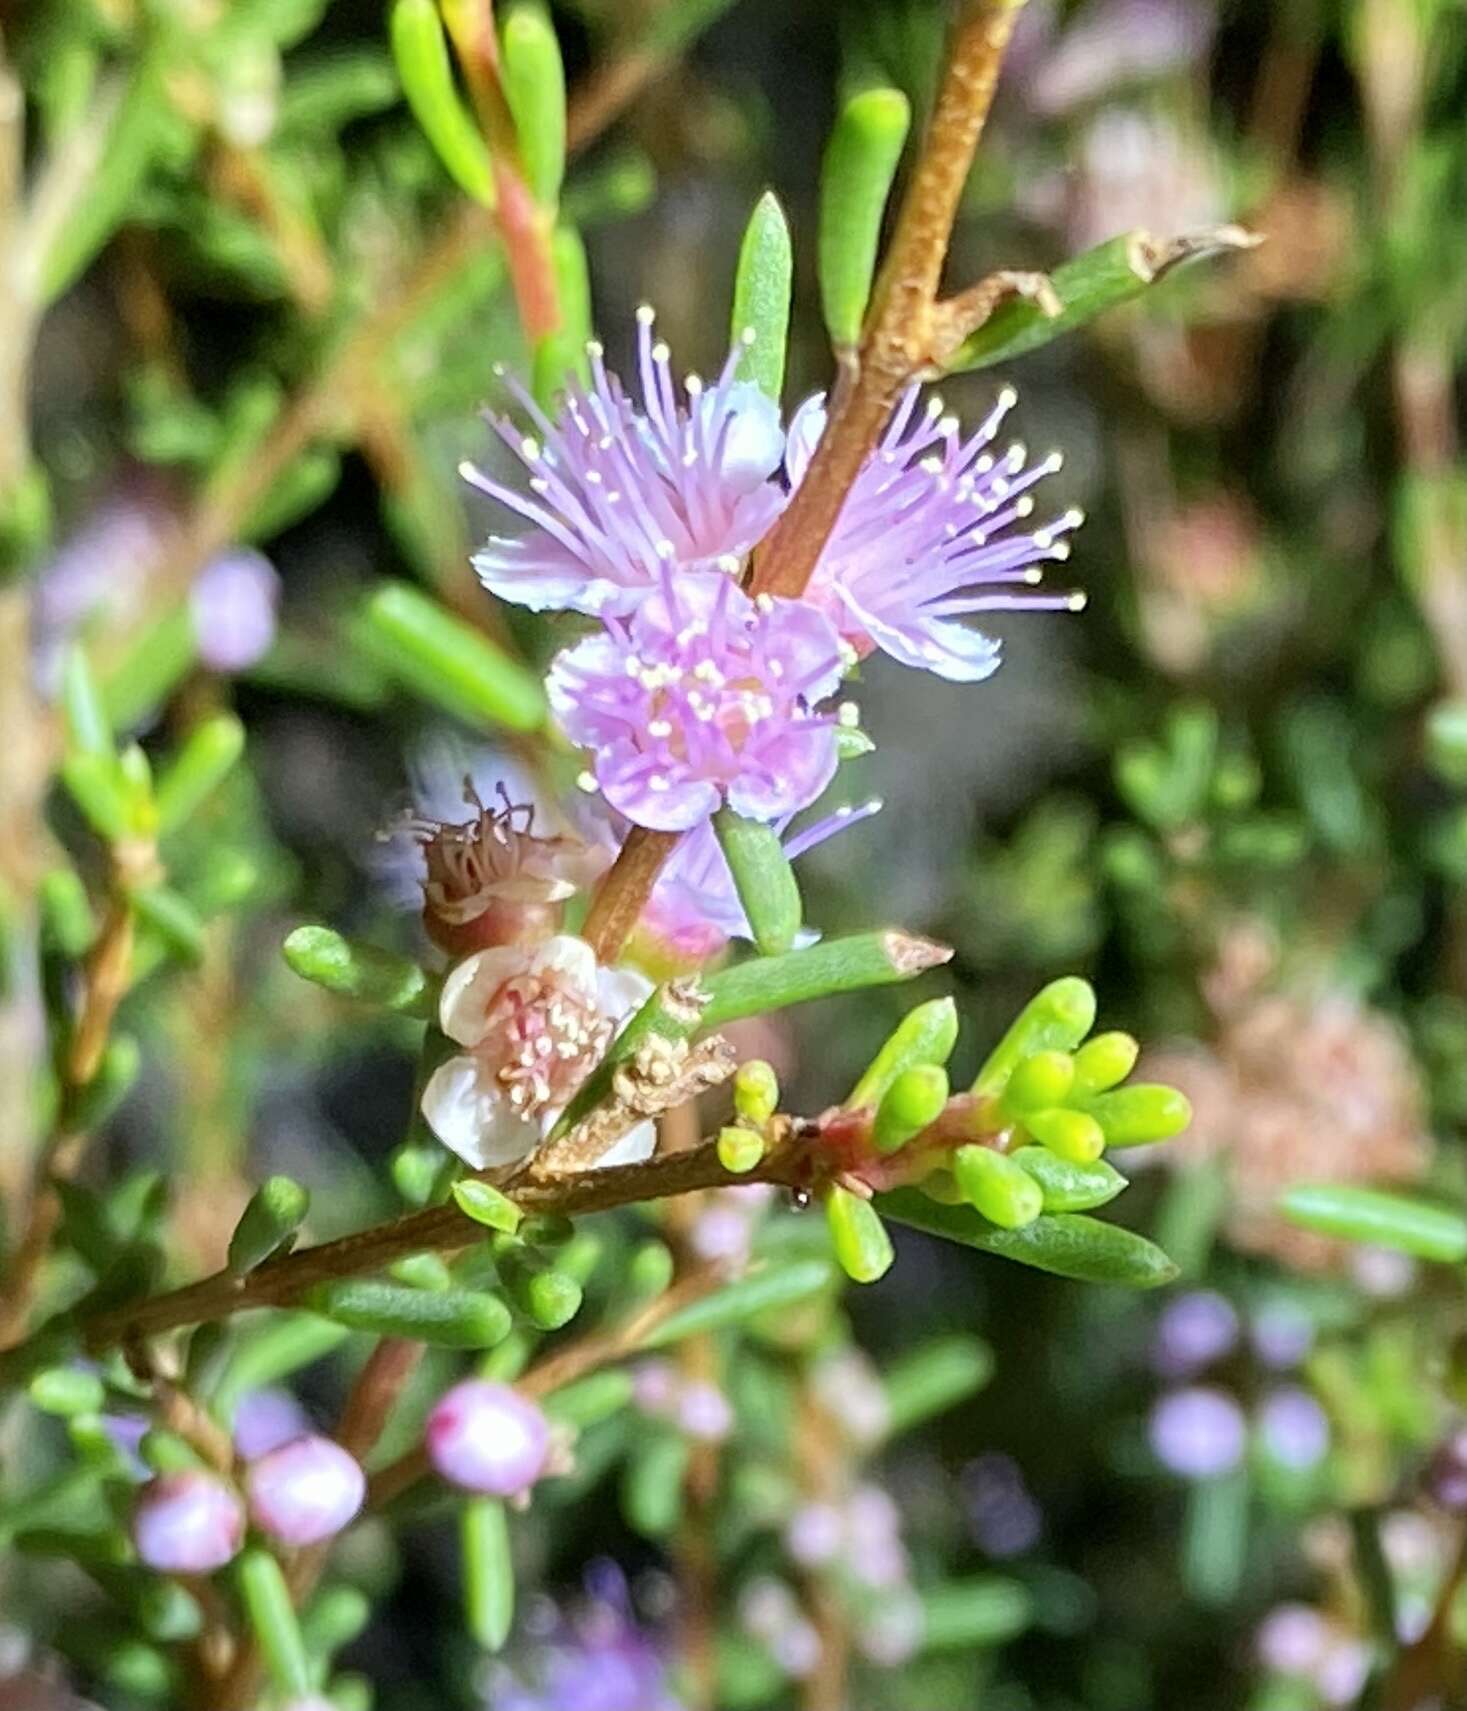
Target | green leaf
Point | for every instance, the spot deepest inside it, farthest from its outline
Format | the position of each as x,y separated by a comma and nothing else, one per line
1385,1220
207,756
761,305
1057,1018
446,661
965,1615
423,64
761,985
547,1296
915,1099
763,878
486,1205
174,919
1143,1112
67,1390
653,1481
1103,1062
1001,1190
1072,1135
859,1237
562,354
449,1318
925,1035
766,1289
269,1223
67,923
488,1569
855,181
534,87
930,1379
96,1103
88,729
1067,1185
270,1612
353,970
335,1617
151,667
1065,1243
1100,279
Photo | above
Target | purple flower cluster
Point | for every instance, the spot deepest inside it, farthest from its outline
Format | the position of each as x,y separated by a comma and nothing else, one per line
693,694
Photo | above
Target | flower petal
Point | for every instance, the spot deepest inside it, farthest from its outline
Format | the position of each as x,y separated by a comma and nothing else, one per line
464,1105
469,988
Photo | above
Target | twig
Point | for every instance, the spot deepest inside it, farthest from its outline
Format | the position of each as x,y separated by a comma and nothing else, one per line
898,341
438,1228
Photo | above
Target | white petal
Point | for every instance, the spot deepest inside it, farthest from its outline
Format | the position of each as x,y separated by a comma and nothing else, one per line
570,958
634,1146
465,1107
463,1004
620,991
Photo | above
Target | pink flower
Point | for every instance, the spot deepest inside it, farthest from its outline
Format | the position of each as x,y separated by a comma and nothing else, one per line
534,1021
704,696
616,492
933,530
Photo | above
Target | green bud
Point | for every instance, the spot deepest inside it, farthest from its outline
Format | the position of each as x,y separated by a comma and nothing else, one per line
208,754
352,970
756,1091
66,1391
861,1243
534,87
1067,1185
1072,1135
446,661
546,1295
136,772
739,1150
335,1617
417,1168
994,1185
166,1452
926,1034
1383,1219
860,162
167,1612
763,878
1055,1019
270,1612
137,1670
1039,1081
761,306
421,53
486,1205
650,1269
450,1318
1104,1062
488,1572
1145,1111
915,1099
269,1224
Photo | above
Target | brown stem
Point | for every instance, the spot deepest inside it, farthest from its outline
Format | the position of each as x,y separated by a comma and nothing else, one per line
623,893
898,341
438,1228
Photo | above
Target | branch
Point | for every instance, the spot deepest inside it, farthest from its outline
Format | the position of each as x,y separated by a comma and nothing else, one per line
898,343
280,1282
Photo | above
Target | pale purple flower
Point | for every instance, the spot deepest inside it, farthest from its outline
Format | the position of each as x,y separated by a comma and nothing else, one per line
1199,1433
187,1523
1004,1518
233,603
487,1437
617,492
1294,1428
1292,1640
596,1658
125,1432
305,1491
934,529
704,1413
814,1534
266,1419
704,696
1193,1331
1115,43
1281,1334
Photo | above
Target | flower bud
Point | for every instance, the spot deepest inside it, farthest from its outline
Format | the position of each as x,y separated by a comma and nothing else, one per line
739,1150
187,1523
486,1437
266,1419
305,1491
756,1091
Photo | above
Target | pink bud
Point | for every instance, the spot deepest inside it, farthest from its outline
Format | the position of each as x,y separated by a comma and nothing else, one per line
487,1437
187,1523
305,1491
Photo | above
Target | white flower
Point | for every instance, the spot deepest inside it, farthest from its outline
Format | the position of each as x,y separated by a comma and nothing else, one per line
534,1021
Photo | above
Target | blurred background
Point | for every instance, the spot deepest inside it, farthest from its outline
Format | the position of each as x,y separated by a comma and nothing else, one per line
1230,792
